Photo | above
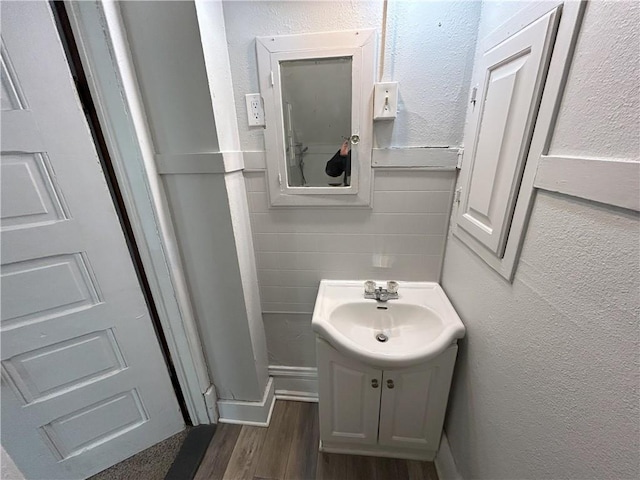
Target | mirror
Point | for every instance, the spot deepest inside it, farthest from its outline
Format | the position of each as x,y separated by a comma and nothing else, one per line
317,91
316,102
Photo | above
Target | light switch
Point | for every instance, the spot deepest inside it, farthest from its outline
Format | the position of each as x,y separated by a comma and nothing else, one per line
385,101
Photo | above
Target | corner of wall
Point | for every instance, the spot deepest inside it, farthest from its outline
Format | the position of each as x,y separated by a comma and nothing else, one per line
212,27
444,461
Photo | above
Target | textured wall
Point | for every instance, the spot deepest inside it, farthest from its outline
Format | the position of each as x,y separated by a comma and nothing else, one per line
546,384
547,377
601,108
429,49
246,20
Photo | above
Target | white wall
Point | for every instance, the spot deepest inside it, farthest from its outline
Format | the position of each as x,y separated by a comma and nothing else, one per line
546,384
428,50
169,99
168,56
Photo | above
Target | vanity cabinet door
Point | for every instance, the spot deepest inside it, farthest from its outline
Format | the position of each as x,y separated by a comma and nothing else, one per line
414,401
349,398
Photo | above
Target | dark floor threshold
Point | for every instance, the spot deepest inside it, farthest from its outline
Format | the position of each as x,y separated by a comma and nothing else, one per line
186,464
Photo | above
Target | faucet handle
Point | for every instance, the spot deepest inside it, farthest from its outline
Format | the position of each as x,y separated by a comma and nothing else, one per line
369,287
392,286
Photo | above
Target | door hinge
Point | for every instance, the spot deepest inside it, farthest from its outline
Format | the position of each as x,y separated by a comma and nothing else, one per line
280,179
460,155
457,194
474,93
271,79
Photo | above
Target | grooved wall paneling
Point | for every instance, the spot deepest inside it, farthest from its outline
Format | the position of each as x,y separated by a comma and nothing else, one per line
402,237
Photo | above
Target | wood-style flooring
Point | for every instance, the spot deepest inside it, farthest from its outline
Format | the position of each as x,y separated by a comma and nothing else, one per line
288,450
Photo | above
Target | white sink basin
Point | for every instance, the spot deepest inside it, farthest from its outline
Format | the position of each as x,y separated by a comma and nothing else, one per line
418,326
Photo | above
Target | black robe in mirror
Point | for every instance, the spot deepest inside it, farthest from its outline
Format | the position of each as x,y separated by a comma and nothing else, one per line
338,165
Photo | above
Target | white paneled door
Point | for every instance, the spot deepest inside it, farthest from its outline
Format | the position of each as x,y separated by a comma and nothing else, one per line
514,73
84,382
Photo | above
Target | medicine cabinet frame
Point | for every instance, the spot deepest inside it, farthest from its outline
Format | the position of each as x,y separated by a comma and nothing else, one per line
360,46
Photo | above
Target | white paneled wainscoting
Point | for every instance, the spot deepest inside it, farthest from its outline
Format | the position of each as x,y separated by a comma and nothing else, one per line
402,237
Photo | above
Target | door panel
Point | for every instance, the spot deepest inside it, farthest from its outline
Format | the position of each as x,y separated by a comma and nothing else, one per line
349,404
84,382
412,410
514,74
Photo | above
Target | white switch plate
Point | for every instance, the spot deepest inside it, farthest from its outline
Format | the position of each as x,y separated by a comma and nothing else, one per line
255,111
385,101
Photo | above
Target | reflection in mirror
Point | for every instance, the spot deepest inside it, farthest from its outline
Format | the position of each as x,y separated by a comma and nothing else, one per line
316,101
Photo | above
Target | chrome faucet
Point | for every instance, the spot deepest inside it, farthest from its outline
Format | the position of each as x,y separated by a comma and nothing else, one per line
381,294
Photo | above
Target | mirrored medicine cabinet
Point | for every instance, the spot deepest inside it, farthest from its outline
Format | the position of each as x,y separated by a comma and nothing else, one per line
317,91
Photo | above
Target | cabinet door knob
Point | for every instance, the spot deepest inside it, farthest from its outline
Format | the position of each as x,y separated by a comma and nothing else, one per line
374,383
390,384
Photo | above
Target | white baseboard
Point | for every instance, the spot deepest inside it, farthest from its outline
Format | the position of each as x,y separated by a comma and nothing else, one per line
445,464
249,413
295,383
377,451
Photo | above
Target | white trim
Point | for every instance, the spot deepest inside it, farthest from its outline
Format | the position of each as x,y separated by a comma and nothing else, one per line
233,161
572,13
310,41
216,58
296,396
287,371
406,157
249,413
295,383
611,181
210,399
377,451
520,19
189,163
104,52
445,158
287,312
445,463
172,164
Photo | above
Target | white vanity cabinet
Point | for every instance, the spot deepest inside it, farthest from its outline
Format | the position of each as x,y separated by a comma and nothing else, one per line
396,412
